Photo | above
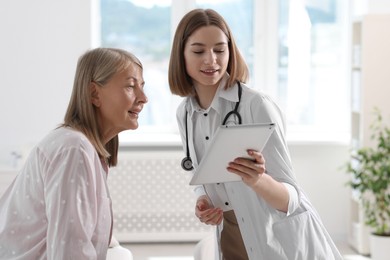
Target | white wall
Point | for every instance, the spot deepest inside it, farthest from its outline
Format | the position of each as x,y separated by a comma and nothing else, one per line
319,170
40,43
362,7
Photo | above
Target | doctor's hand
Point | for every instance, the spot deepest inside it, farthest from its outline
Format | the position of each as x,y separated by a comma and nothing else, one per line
206,212
250,170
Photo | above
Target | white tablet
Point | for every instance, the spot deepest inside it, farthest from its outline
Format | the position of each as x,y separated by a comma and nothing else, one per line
228,143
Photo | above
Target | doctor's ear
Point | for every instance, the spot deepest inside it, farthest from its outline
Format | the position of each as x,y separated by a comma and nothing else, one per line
94,92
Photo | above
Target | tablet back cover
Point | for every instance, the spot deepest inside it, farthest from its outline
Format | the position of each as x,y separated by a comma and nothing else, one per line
228,143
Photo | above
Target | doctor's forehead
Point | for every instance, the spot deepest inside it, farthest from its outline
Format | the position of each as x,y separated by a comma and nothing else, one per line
207,35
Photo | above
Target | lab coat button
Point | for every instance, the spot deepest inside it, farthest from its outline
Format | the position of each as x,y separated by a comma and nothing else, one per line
207,138
226,203
205,114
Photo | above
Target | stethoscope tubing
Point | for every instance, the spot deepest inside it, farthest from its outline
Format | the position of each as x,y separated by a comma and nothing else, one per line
186,163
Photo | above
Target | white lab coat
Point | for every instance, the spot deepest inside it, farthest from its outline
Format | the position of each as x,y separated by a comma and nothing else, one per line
267,233
58,207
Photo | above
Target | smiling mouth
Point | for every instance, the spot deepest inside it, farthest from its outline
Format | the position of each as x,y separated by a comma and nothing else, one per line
133,113
209,71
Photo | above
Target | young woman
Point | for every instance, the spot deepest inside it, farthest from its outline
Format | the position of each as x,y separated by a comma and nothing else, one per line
59,206
267,215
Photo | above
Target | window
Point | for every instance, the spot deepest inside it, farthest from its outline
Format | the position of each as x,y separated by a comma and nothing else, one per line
144,29
312,63
295,49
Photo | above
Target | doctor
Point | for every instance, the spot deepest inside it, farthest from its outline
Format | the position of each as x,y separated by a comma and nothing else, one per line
267,215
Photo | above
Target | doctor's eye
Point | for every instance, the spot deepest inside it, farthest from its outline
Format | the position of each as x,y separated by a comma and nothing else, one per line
219,51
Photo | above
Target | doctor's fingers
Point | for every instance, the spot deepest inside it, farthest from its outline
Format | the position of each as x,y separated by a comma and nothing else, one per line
206,213
257,163
216,221
246,167
203,203
212,219
258,156
259,168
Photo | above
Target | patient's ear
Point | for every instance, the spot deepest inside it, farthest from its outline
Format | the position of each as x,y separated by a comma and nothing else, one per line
94,91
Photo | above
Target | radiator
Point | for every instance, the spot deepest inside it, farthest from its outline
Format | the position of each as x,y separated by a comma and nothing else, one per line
152,201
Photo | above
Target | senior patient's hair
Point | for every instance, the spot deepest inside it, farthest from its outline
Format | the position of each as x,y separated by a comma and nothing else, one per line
95,66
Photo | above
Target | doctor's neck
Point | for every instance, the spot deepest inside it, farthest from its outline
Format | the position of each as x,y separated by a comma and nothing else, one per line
205,95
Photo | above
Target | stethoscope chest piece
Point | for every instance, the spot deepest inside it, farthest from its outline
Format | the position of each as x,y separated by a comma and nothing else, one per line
186,164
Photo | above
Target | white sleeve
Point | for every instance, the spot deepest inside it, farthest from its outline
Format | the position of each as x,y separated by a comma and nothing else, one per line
293,201
199,191
71,206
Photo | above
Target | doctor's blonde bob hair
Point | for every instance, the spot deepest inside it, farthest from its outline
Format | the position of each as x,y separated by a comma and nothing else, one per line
96,66
179,81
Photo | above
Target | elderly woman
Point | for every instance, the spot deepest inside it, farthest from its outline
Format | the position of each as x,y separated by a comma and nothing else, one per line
59,206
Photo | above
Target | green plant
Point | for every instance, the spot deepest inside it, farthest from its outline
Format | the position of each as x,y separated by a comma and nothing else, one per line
370,170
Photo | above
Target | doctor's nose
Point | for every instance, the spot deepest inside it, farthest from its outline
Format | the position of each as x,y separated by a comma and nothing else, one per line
210,57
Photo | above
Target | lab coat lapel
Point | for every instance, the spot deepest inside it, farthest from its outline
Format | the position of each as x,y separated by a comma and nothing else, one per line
190,141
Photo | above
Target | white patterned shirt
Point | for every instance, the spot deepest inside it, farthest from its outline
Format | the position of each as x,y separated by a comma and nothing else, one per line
58,206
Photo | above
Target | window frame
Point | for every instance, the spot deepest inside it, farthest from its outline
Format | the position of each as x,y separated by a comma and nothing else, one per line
265,44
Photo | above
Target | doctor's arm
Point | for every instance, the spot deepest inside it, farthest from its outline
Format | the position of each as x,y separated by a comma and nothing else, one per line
254,175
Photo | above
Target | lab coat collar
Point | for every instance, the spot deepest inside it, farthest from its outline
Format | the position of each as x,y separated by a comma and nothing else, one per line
229,94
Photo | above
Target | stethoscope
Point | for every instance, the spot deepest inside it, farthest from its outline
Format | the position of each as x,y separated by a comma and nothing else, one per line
186,163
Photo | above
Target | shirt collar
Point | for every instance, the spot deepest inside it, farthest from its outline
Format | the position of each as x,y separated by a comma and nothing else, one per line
229,94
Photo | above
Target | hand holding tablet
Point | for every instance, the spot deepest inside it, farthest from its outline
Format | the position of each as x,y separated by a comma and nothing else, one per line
228,143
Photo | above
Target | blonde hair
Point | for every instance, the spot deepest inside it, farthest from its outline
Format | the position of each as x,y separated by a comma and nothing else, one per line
96,65
180,82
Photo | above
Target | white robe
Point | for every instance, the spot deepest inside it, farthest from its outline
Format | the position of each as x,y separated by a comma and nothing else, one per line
267,233
58,206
